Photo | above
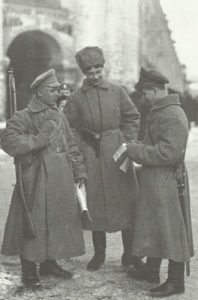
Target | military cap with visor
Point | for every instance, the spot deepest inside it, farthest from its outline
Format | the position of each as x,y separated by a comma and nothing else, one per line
47,78
150,78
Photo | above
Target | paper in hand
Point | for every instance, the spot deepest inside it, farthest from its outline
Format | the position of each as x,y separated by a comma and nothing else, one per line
124,161
82,197
82,200
121,150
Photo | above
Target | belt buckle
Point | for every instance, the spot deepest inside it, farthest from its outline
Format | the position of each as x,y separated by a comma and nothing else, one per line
58,149
97,136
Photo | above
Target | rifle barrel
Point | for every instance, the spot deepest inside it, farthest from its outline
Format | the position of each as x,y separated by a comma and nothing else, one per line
29,229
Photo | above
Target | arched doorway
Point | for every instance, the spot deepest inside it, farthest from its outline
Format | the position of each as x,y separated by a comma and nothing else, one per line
30,54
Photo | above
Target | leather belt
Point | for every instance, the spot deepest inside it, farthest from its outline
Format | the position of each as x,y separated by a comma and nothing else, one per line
107,132
56,150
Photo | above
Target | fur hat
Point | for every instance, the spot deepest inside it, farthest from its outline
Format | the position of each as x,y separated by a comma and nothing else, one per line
89,57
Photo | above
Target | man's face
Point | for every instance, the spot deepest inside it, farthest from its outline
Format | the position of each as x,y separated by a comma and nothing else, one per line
64,92
48,94
94,75
150,96
62,104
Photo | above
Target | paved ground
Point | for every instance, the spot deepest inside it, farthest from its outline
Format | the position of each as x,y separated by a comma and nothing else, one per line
109,282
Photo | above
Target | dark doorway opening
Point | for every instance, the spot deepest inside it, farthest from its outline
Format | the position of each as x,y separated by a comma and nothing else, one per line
32,53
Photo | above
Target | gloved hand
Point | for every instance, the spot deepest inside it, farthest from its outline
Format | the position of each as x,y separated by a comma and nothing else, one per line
132,148
86,219
132,143
80,182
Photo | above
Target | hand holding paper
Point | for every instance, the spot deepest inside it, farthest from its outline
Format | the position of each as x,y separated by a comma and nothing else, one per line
119,153
82,200
120,157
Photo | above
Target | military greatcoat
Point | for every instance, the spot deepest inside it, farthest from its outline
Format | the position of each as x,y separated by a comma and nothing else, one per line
49,175
108,111
163,223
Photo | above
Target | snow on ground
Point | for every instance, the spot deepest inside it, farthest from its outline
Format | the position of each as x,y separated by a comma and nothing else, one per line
109,282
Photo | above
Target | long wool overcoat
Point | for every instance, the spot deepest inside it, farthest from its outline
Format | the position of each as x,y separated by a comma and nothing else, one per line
48,177
160,229
111,194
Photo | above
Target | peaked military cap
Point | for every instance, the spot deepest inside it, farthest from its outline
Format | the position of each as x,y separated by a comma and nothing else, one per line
47,78
89,57
150,78
65,87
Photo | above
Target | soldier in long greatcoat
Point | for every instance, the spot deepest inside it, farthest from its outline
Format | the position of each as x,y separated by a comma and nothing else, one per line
163,222
103,116
41,141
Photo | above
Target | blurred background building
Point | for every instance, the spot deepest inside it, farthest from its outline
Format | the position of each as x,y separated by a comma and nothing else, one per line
36,35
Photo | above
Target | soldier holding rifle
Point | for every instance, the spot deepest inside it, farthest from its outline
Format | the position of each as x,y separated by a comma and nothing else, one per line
163,222
43,224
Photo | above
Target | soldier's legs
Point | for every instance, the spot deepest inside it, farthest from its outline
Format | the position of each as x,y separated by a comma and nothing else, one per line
127,257
30,278
99,244
174,283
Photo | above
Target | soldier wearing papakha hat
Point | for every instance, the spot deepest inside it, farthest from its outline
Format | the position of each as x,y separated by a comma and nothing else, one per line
163,223
89,57
40,138
103,116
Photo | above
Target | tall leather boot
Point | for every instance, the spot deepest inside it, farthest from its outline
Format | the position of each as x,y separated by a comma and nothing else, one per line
30,278
127,258
99,243
149,272
174,283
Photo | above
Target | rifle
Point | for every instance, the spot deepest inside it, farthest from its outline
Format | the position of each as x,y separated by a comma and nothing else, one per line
28,226
180,175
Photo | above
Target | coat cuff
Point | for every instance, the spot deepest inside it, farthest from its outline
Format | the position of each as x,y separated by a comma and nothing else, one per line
79,175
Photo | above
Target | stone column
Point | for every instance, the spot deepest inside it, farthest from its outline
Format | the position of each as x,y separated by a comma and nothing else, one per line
112,25
2,77
89,26
89,23
122,41
131,43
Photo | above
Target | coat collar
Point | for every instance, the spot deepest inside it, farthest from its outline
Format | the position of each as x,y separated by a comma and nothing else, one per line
166,101
88,86
36,105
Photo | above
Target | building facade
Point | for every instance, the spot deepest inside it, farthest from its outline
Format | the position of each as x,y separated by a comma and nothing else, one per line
156,45
36,35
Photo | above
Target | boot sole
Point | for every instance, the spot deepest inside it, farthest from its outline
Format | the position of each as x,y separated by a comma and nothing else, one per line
90,269
134,277
159,295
